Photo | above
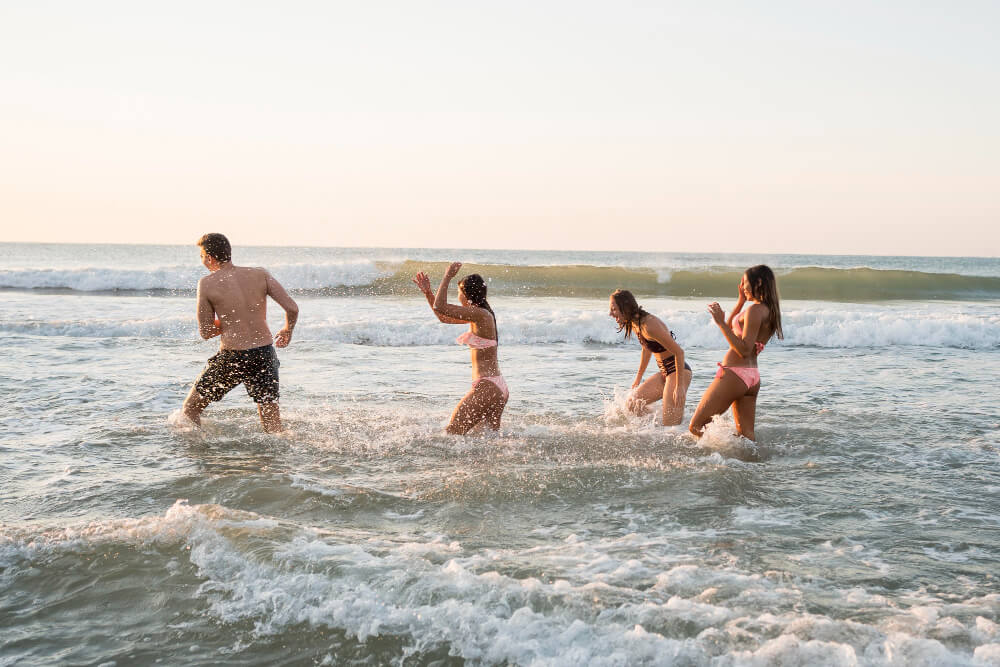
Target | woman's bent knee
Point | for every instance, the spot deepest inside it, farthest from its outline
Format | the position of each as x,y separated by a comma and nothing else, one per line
635,406
673,417
456,429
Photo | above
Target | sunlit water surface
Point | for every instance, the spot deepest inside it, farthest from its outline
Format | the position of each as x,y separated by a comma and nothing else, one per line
863,528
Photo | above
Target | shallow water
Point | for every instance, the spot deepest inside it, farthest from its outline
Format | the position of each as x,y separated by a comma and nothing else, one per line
863,528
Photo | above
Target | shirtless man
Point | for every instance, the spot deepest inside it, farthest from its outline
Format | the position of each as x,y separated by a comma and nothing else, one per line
232,303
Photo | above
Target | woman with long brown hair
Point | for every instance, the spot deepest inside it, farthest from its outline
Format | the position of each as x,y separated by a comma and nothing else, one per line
737,382
488,396
671,383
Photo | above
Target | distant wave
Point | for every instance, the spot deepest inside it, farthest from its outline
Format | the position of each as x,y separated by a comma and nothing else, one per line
372,277
827,328
300,277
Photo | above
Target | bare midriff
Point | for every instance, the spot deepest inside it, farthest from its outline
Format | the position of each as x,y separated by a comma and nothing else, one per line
485,363
733,358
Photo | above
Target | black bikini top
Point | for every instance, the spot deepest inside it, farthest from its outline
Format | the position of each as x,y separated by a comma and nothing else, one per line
652,345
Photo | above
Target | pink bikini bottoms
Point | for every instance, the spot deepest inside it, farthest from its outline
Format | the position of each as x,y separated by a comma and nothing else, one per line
498,380
750,376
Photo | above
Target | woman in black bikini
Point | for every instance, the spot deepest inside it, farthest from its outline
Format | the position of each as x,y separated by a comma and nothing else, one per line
657,340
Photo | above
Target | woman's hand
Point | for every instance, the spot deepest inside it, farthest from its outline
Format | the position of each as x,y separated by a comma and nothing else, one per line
742,294
716,310
680,394
453,269
422,282
636,383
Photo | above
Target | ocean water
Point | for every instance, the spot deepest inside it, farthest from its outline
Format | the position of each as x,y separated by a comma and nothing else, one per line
862,529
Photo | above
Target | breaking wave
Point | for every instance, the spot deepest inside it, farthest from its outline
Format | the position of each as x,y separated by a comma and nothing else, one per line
858,327
374,277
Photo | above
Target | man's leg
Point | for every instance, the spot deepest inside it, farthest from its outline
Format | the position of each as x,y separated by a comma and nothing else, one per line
270,417
194,405
215,381
262,385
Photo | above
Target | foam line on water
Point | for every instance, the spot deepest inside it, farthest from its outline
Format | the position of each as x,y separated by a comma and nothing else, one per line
843,328
369,276
302,276
597,605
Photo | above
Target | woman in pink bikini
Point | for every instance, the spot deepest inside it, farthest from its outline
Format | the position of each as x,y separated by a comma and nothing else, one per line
737,381
486,399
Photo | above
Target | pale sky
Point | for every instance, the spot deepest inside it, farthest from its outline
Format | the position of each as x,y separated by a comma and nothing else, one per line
815,127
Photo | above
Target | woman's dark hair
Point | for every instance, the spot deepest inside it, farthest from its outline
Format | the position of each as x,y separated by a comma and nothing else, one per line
475,291
630,310
764,288
217,247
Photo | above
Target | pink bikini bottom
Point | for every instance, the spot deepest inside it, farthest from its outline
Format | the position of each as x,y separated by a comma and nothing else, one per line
498,381
750,376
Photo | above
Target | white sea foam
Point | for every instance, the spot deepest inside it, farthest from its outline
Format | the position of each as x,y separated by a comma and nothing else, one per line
760,516
24,543
790,650
720,437
94,279
314,486
435,593
176,327
345,273
412,325
987,655
389,514
871,327
986,629
844,551
945,554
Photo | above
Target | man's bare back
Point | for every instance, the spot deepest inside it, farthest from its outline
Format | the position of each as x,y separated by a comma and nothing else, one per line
238,296
232,303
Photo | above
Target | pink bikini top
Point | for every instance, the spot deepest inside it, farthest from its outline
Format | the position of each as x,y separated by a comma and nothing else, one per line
738,330
474,341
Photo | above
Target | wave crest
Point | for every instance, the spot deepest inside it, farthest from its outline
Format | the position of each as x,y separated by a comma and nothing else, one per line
372,277
843,328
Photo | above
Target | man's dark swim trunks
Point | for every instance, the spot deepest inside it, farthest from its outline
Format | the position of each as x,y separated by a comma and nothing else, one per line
257,369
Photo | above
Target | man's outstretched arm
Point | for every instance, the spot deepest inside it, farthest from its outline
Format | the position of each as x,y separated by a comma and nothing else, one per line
278,293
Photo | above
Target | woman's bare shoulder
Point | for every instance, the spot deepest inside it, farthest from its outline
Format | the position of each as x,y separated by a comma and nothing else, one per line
653,323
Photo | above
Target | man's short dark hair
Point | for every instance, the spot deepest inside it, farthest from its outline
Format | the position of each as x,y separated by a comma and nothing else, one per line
217,247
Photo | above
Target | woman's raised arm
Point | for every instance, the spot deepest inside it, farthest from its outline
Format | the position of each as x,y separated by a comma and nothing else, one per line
747,344
443,308
423,283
